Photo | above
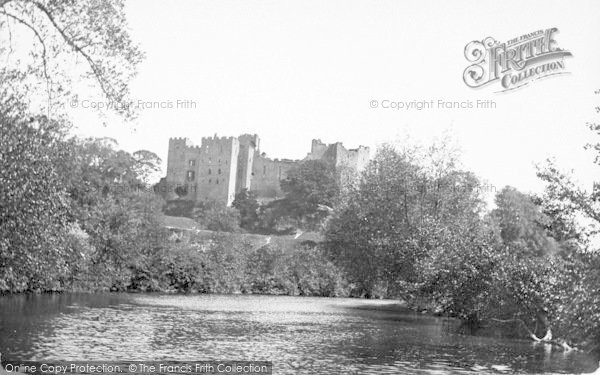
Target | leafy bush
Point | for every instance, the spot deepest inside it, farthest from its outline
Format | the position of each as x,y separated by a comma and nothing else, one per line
216,217
179,207
33,202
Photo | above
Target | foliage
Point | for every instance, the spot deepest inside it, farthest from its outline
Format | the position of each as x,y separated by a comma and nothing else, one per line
522,223
400,212
309,184
245,202
234,263
147,165
208,214
115,209
53,188
215,216
75,213
416,230
574,215
57,35
576,316
300,270
179,207
33,201
308,188
459,276
508,270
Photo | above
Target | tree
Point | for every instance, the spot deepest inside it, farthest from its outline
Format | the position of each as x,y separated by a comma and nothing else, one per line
563,193
245,202
108,201
53,187
534,270
574,217
95,170
147,165
307,186
522,223
217,217
180,207
401,211
458,277
33,201
59,34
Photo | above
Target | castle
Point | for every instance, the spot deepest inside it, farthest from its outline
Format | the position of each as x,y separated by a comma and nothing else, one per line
222,166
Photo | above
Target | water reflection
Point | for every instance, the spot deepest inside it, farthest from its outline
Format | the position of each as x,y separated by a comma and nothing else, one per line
300,335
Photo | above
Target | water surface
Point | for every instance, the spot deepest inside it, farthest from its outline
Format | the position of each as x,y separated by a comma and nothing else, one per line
299,334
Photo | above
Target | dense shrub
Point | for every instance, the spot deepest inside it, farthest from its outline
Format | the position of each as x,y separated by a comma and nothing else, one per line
33,202
234,263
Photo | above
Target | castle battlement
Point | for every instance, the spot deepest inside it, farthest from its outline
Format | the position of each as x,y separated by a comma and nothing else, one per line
222,166
282,160
217,138
360,149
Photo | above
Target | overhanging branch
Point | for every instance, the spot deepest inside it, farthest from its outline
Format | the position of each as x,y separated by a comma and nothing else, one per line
96,70
41,40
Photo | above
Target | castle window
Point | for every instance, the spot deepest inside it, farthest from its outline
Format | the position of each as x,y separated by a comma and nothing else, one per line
264,170
219,161
225,161
209,180
209,171
192,162
191,175
219,171
217,181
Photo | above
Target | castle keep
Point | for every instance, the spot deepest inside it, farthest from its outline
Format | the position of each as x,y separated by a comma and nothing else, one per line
221,167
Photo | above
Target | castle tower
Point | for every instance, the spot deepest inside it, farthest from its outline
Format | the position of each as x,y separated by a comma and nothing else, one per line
206,172
218,169
317,150
176,171
249,144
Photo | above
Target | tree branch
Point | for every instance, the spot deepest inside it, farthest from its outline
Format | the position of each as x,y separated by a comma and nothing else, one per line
547,339
39,37
106,87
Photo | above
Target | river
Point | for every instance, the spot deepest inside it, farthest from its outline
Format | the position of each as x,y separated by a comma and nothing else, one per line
298,334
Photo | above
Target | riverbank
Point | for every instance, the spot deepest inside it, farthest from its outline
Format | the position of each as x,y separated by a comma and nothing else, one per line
208,262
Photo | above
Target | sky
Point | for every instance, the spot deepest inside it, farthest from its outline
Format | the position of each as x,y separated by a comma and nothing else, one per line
294,70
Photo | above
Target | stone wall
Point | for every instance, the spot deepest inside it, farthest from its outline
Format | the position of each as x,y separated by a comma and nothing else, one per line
267,174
